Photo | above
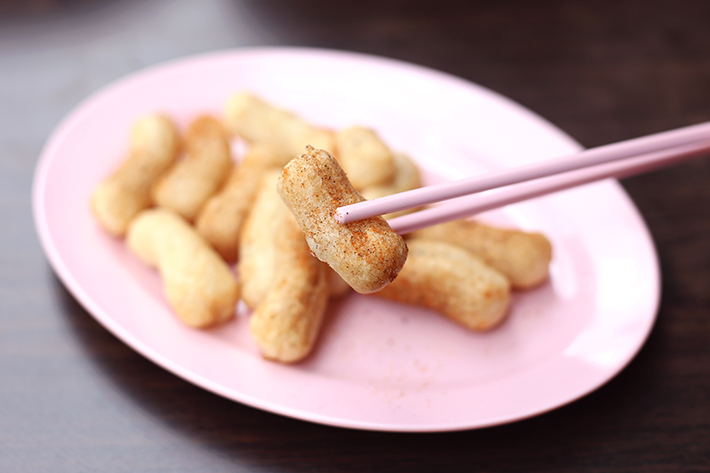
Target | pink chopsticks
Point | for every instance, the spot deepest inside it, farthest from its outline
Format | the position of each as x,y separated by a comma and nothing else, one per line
620,159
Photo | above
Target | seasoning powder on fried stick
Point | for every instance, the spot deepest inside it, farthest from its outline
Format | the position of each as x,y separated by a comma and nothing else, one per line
367,254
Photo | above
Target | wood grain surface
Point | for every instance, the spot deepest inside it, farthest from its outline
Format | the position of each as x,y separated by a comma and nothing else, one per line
73,398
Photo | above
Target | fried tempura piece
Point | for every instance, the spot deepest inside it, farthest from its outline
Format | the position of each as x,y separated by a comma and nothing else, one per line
286,323
257,246
453,282
364,157
198,283
191,181
258,121
367,254
523,257
407,177
221,219
154,144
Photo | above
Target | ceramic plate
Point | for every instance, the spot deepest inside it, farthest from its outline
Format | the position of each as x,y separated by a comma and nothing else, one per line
378,365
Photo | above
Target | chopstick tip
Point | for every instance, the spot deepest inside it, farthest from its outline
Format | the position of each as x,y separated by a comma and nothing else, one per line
340,216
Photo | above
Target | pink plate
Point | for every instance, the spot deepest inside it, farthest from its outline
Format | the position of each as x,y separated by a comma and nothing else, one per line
378,365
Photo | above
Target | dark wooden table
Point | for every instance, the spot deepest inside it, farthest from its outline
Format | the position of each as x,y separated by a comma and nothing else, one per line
74,398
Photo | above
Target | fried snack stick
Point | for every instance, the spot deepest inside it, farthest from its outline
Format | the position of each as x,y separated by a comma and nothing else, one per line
258,257
257,247
367,254
286,323
522,257
453,282
154,144
364,157
221,219
190,182
198,283
407,177
258,121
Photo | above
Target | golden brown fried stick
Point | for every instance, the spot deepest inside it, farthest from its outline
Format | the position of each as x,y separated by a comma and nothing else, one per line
257,121
364,157
221,219
522,257
367,254
190,182
453,282
407,177
258,256
257,246
198,283
117,200
286,322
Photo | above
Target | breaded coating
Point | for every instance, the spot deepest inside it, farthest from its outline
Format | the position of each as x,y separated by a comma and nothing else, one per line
116,201
257,121
523,257
364,157
453,282
191,181
257,241
286,323
221,219
367,254
198,283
